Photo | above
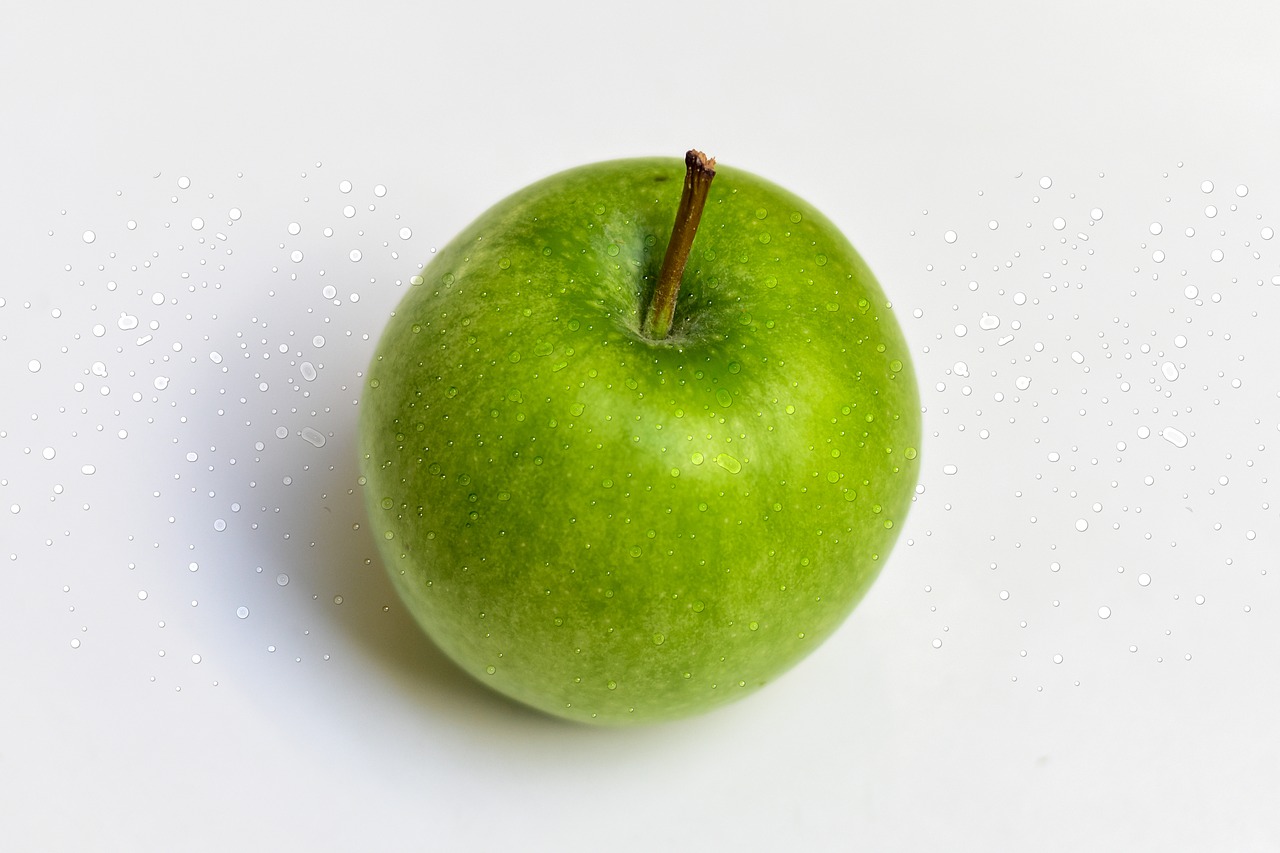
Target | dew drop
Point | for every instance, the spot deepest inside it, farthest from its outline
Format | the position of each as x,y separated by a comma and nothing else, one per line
88,236
950,236
1104,612
242,612
406,233
197,224
1174,436
282,579
1059,223
33,365
355,255
1144,579
728,463
313,437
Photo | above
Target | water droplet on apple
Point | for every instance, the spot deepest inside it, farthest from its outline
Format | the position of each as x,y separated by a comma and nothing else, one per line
724,398
727,462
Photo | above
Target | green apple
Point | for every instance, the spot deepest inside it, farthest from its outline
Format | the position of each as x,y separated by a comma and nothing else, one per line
621,474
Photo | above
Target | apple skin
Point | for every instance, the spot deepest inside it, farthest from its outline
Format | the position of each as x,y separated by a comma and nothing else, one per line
617,530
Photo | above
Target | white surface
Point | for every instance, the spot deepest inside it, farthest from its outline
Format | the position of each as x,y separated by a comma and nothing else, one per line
354,733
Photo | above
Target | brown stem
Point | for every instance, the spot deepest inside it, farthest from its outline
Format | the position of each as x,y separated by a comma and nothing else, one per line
699,170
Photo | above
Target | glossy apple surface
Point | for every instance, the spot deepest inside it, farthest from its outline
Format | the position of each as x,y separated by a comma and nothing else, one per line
615,529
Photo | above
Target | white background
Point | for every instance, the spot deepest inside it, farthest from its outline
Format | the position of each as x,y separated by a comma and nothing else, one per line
977,699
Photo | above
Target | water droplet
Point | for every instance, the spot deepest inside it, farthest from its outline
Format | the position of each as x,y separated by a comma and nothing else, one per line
1206,187
195,658
1144,579
724,398
329,291
234,214
313,437
1156,228
1169,370
937,643
380,191
337,599
344,186
1191,291
88,470
728,463
1095,214
1174,436
75,642
697,458
296,256
1057,658
317,341
48,453
308,371
282,579
1059,223
1082,525
197,224
33,365
355,255
127,322
161,383
1046,182
142,595
406,233
950,469
219,524
950,236
184,182
989,321
1022,383
1104,612
88,236
961,330
242,612
1268,233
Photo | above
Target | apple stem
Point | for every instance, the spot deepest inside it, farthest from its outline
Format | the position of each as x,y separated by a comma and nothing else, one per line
699,170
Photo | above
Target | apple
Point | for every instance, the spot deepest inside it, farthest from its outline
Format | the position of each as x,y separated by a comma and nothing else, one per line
633,446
